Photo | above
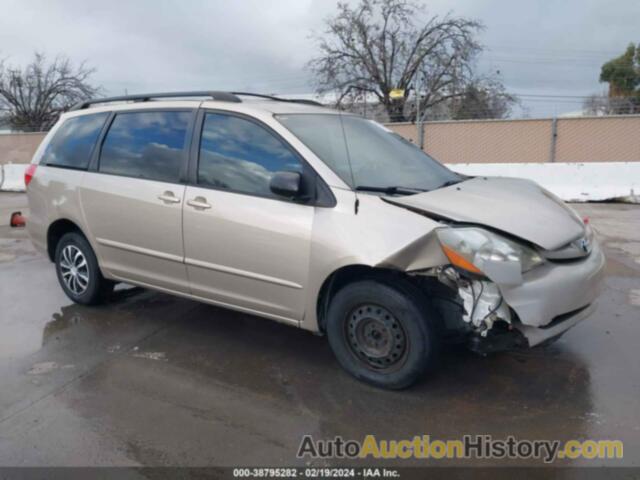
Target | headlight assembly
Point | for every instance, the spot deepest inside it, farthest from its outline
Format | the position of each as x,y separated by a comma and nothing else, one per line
483,252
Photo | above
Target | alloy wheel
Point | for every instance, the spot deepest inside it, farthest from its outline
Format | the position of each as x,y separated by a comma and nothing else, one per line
74,269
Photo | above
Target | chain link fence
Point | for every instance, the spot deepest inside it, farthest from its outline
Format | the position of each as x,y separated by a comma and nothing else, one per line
18,147
612,138
585,139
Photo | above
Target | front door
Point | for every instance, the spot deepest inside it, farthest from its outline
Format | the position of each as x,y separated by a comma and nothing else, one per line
244,246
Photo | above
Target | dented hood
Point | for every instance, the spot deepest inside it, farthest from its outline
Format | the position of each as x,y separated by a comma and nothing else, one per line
516,206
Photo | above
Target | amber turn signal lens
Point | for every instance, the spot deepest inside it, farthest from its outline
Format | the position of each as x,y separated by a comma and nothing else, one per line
459,261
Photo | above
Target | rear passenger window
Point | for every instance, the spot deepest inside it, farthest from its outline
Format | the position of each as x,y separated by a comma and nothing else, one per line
242,156
148,145
73,143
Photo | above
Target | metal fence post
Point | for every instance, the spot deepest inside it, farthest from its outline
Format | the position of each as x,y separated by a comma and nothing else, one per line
554,139
419,113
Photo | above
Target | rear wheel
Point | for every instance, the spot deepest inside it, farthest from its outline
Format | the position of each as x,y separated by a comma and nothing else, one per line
384,335
78,271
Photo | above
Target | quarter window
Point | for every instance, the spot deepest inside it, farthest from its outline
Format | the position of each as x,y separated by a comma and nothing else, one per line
148,145
242,156
73,143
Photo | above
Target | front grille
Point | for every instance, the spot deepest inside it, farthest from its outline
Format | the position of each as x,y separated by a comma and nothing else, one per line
568,260
575,250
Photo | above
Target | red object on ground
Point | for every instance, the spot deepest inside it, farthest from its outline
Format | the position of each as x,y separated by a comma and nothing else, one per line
586,220
17,220
29,173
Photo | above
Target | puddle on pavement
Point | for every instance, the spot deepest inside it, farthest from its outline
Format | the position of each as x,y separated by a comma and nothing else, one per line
25,333
15,245
620,267
631,249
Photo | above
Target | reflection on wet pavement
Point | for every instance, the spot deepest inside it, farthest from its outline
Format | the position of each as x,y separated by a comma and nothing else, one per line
156,380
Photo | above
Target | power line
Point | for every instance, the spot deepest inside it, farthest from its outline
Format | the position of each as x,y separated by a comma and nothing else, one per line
568,50
534,95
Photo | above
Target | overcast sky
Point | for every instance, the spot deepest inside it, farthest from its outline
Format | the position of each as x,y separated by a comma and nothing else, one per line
540,47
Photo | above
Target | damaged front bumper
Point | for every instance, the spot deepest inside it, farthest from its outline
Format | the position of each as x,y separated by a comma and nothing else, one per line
537,335
556,296
556,288
550,300
519,335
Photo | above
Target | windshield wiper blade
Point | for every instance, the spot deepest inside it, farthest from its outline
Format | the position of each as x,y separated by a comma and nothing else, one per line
390,190
448,183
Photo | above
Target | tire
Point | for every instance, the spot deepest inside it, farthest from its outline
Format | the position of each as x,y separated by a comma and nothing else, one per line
78,271
384,335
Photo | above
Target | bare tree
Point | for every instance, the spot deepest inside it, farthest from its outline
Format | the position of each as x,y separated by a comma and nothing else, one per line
34,97
611,105
482,99
379,46
596,105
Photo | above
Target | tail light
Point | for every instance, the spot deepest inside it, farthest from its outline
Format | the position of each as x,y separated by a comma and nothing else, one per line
29,173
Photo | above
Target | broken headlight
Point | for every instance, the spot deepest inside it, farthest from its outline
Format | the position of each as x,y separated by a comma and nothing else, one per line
486,253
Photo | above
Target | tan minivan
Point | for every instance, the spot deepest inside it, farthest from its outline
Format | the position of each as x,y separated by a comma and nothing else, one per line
315,218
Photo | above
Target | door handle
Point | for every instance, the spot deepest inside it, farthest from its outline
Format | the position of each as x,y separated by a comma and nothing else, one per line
199,202
168,197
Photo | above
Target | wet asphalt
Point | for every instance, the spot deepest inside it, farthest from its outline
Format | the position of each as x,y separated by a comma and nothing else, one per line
150,379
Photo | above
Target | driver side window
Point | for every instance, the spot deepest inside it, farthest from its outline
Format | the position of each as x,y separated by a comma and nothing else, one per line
240,155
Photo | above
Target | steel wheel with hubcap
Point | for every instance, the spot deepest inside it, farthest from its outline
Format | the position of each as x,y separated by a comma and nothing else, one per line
376,336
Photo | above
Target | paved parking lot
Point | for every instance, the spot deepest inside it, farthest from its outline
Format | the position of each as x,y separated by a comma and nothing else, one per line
150,379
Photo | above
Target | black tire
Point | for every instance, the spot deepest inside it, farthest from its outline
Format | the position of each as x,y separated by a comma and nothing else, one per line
407,339
82,282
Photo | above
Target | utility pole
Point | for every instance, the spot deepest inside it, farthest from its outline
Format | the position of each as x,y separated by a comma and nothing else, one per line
364,93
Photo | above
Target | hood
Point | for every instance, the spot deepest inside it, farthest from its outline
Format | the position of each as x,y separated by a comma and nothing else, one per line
512,205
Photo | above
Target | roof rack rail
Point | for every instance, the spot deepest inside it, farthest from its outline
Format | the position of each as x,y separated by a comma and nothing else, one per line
216,95
145,97
279,99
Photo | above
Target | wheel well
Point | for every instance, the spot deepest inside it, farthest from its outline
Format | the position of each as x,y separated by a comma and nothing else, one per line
350,274
55,232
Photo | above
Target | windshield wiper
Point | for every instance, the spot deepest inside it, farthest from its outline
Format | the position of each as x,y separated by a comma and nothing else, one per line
448,183
390,190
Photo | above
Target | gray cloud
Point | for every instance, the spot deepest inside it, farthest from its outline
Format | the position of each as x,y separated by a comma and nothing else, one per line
539,47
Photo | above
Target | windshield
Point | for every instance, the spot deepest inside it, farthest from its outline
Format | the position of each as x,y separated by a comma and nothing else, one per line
381,160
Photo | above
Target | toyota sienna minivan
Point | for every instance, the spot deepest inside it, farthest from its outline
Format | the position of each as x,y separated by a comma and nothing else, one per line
316,218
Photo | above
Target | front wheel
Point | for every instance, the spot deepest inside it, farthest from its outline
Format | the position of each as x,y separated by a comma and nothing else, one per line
78,271
383,335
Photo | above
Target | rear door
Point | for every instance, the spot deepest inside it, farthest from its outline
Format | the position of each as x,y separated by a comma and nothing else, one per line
245,246
132,197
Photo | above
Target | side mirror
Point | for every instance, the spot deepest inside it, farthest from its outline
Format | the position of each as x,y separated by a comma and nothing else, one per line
286,184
